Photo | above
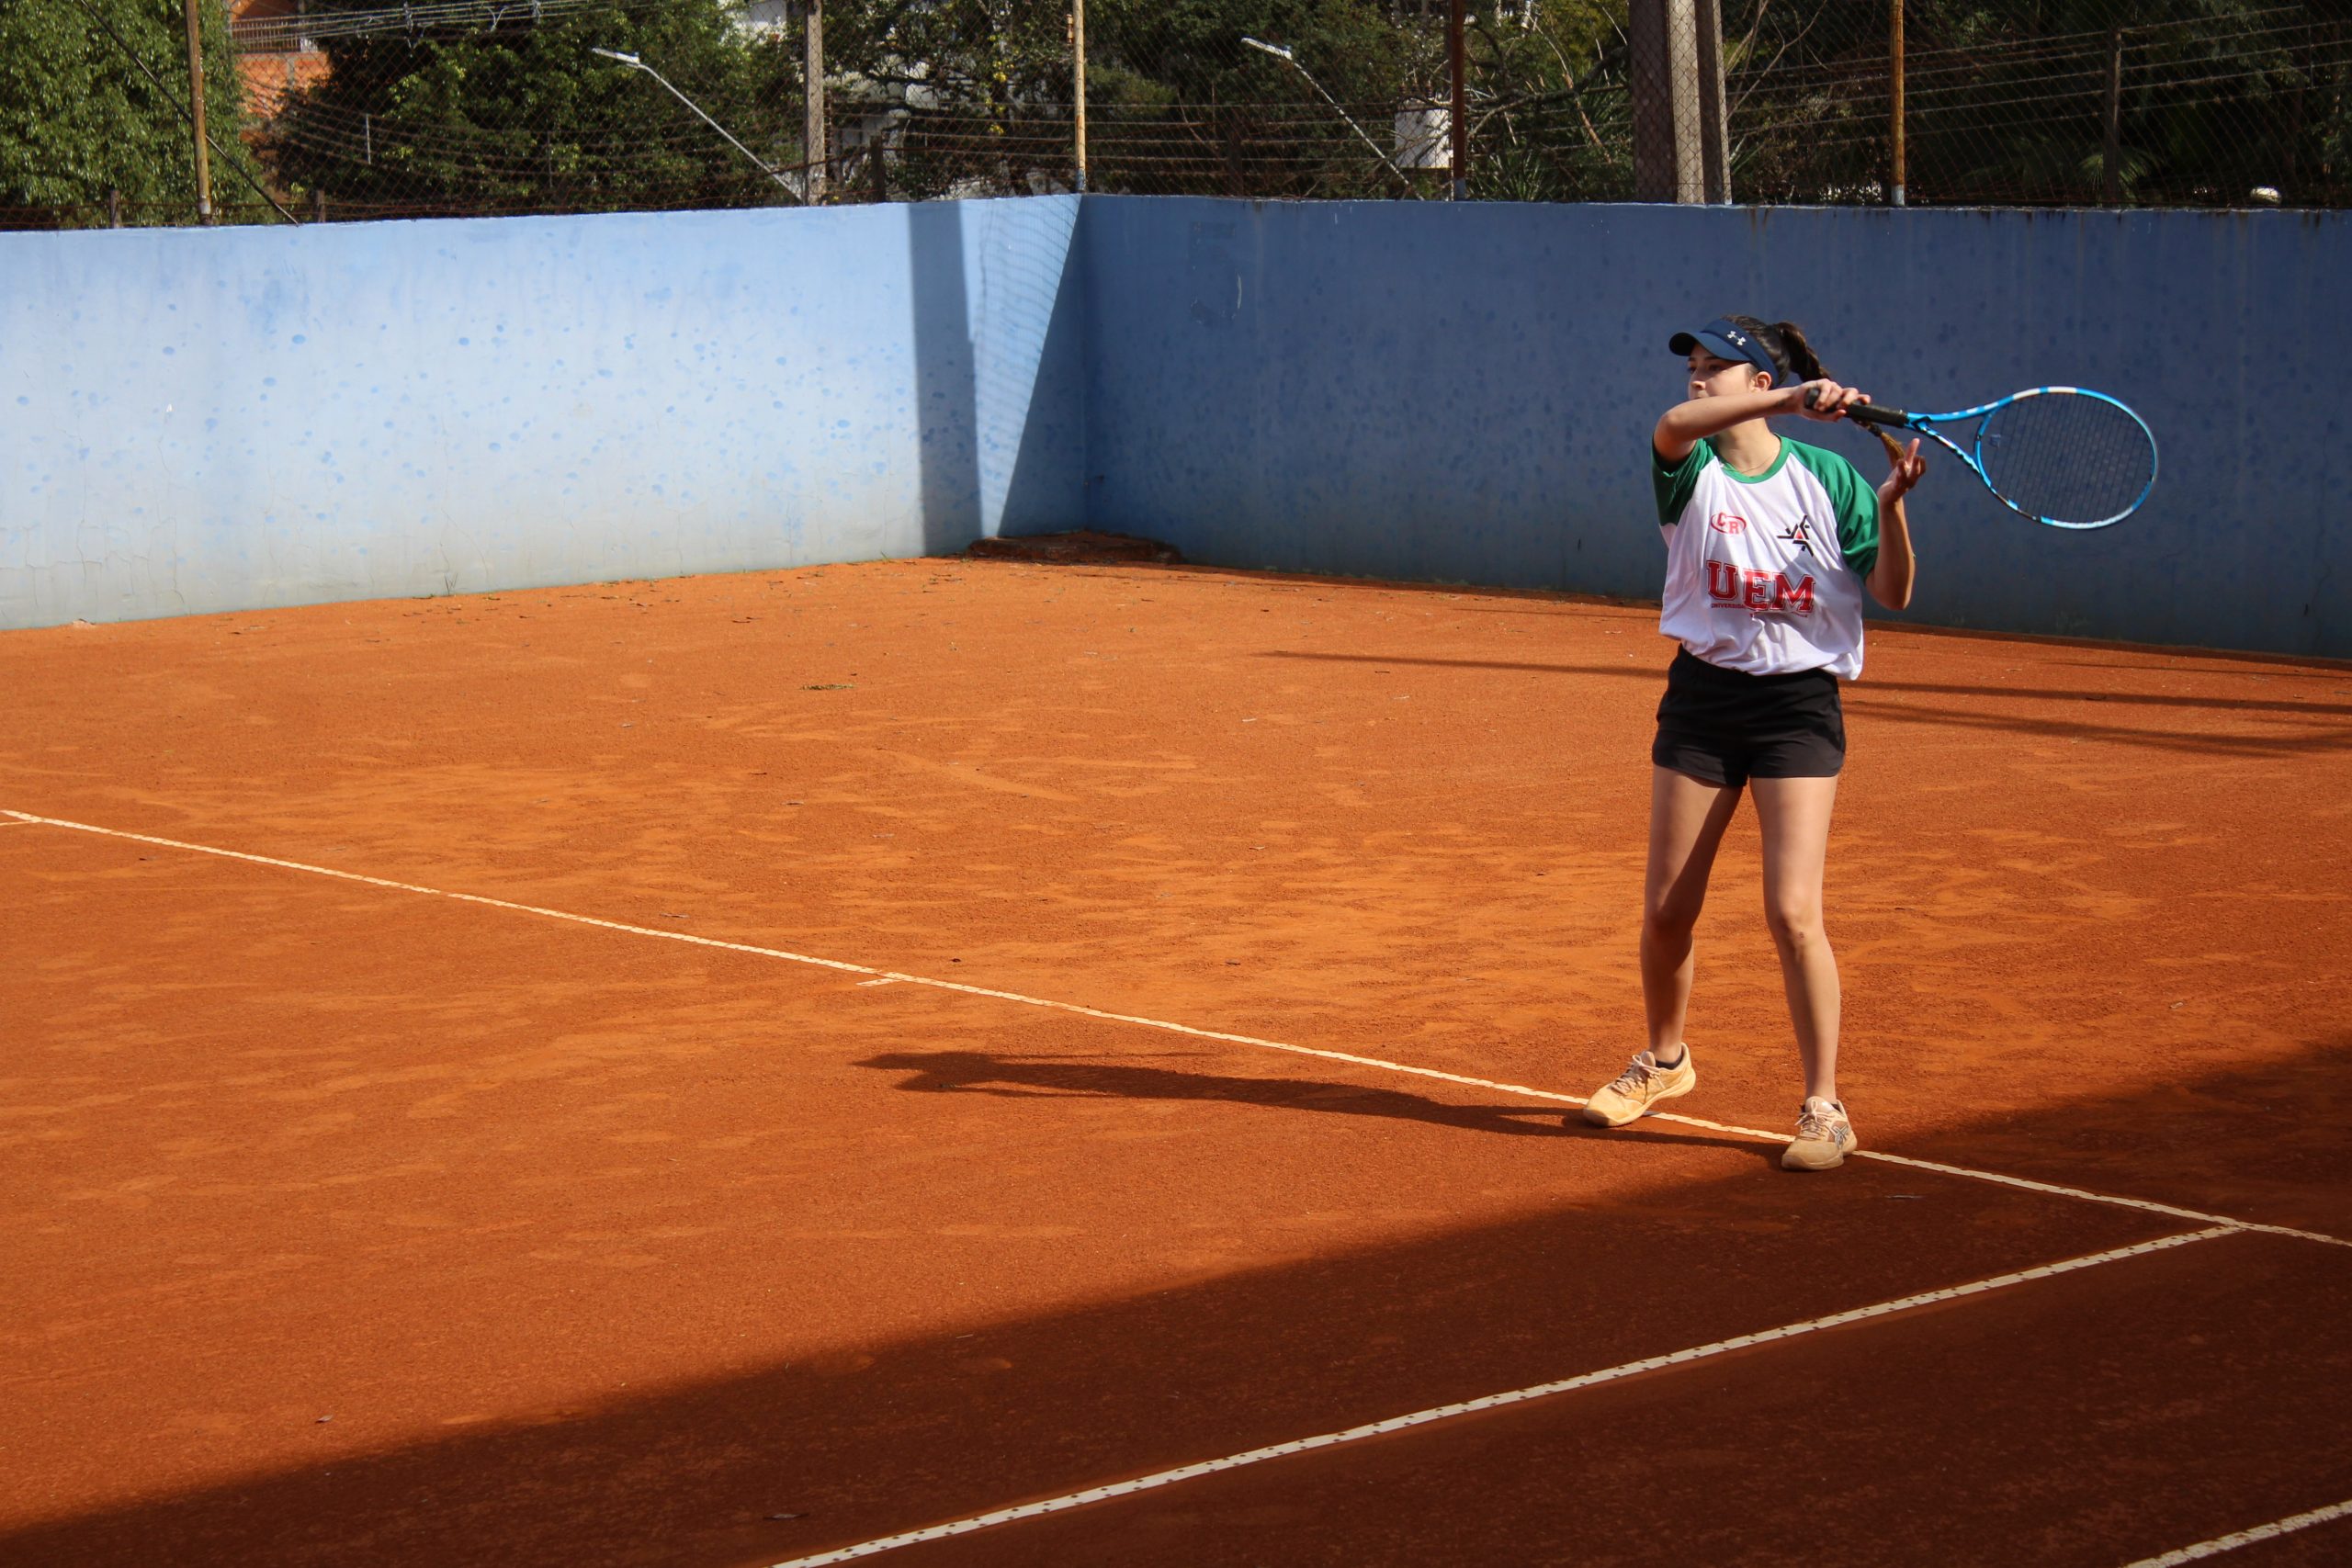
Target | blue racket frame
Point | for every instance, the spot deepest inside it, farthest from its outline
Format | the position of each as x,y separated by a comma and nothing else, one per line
1925,423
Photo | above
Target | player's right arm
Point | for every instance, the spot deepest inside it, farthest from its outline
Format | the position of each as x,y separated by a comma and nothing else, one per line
1684,426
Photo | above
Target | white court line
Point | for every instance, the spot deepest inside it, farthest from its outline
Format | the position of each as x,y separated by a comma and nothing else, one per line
1490,1402
2080,1194
2220,1544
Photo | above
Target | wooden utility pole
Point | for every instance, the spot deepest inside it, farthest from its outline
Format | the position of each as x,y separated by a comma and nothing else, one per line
812,137
2111,161
1681,148
1077,79
1457,54
196,101
1894,170
1715,127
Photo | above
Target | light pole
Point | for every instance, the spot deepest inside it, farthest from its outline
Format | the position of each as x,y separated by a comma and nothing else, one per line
1281,54
634,63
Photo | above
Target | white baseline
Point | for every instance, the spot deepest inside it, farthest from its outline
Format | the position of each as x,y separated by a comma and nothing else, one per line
2231,1542
1489,1401
841,966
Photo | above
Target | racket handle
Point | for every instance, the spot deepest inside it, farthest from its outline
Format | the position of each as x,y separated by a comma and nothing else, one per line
1862,413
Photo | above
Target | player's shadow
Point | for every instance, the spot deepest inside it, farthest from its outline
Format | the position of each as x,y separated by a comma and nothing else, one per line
1062,1078
2324,725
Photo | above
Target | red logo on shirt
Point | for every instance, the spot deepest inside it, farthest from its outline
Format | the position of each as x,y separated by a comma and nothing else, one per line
1762,592
1727,523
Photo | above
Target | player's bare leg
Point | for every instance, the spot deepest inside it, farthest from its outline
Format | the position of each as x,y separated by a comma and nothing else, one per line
1686,822
1794,816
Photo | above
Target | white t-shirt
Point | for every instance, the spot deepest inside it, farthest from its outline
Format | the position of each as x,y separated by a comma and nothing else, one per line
1764,574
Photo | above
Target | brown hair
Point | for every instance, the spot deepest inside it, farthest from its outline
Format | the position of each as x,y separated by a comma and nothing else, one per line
1784,340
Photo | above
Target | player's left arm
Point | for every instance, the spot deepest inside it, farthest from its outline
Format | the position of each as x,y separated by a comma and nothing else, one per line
1897,569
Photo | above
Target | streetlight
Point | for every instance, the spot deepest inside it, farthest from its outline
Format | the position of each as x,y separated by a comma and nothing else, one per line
1284,55
634,63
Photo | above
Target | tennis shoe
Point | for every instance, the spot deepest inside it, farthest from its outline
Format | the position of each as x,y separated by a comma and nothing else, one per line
1639,1089
1825,1136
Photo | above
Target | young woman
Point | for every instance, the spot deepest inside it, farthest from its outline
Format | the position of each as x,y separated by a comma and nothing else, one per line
1769,543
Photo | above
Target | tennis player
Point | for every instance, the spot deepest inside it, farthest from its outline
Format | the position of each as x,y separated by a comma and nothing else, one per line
1769,543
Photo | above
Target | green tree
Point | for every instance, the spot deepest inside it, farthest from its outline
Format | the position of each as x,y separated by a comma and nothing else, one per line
981,90
527,118
2007,101
1233,120
79,118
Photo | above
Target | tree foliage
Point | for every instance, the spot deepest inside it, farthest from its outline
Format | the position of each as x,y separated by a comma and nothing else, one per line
80,118
528,118
2007,101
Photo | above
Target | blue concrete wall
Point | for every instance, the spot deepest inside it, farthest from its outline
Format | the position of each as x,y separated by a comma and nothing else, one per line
195,420
1417,390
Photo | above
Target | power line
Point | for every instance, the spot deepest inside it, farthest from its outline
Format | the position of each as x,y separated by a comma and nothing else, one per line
272,35
168,96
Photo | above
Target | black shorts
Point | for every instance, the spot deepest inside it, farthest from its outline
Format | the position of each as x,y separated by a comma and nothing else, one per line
1726,727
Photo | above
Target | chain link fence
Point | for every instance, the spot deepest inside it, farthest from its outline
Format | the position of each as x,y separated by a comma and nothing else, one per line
352,109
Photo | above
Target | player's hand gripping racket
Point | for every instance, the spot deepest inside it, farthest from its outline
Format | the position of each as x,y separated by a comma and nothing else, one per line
2059,454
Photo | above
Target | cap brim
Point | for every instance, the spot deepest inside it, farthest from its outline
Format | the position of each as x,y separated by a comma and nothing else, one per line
1721,347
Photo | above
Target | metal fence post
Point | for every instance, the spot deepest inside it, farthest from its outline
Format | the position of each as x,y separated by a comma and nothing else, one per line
1458,65
1077,83
2111,158
1895,169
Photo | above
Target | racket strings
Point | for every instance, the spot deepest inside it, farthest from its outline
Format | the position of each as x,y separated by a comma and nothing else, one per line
2067,458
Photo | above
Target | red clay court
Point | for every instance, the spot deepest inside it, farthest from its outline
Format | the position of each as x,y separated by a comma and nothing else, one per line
740,1070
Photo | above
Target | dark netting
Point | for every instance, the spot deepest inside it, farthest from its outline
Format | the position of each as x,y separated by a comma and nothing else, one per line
2068,457
324,110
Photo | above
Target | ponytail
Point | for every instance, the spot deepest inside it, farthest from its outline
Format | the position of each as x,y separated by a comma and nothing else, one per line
1797,354
1784,340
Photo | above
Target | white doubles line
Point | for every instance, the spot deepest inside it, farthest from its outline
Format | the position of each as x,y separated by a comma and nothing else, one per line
1490,1402
890,975
2220,1544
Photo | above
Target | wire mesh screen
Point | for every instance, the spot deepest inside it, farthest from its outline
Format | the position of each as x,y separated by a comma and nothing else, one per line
350,108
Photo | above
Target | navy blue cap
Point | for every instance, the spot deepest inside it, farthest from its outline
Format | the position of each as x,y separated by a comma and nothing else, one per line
1728,339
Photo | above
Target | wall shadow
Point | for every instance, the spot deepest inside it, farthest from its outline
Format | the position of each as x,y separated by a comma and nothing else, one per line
2335,737
784,1461
1045,491
946,388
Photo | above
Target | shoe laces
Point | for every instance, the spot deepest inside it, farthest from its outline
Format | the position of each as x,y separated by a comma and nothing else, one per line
1818,1118
1638,1073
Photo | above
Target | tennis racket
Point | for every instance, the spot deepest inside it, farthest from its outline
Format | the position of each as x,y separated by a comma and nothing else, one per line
2062,456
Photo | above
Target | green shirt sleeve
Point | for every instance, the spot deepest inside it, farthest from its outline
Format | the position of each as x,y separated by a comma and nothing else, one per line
1675,482
1856,502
